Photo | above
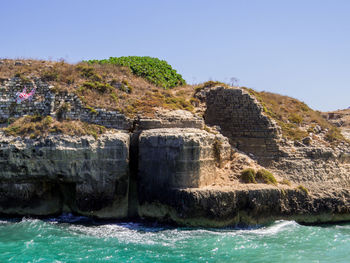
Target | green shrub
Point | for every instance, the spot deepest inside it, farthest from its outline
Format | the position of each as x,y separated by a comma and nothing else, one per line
178,103
12,130
103,87
114,97
92,110
248,176
126,87
266,177
156,71
48,120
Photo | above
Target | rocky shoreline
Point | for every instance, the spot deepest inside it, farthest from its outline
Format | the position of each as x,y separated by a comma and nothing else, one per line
174,182
174,168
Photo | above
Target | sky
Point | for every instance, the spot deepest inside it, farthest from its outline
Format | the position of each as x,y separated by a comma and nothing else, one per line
299,48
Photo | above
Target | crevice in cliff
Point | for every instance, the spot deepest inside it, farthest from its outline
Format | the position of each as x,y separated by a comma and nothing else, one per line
67,193
133,185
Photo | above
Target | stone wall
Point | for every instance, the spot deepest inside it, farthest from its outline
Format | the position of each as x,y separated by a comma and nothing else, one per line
41,104
47,102
241,119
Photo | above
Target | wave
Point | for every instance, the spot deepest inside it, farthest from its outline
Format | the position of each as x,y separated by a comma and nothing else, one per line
275,228
76,239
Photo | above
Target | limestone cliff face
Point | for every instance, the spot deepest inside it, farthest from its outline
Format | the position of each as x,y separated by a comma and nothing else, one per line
323,169
62,173
179,158
218,207
172,168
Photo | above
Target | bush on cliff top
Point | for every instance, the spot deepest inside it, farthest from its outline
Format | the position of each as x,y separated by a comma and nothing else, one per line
262,176
248,176
266,177
156,71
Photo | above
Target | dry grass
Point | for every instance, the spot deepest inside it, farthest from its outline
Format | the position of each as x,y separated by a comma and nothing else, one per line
115,88
101,86
285,182
293,116
38,126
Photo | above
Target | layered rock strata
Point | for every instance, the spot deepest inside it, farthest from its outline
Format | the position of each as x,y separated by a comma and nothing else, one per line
179,158
167,167
65,174
218,207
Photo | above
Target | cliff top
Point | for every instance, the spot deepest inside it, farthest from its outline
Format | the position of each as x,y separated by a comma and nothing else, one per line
122,85
102,85
38,126
341,119
296,119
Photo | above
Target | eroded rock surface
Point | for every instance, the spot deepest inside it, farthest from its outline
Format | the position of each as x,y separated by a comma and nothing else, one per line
179,158
63,173
177,171
223,207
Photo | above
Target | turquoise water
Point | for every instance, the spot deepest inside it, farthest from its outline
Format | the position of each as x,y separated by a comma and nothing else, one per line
33,240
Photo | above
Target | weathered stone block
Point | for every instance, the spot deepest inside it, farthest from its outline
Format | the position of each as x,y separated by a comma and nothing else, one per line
179,158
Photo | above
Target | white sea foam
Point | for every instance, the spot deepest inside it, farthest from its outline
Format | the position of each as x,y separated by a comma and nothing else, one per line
283,241
274,229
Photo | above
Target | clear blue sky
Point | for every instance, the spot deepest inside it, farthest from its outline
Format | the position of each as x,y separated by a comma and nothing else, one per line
299,48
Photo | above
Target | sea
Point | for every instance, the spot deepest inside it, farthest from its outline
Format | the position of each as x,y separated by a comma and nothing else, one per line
78,239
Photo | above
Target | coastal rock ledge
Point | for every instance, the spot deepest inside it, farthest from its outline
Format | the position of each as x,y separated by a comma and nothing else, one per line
64,174
169,175
175,166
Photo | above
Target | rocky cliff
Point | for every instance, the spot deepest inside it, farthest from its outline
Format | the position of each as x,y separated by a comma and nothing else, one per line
64,174
173,166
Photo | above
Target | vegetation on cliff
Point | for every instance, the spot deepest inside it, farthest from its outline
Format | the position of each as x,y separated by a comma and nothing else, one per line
295,118
38,126
103,85
134,85
265,177
249,175
156,71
